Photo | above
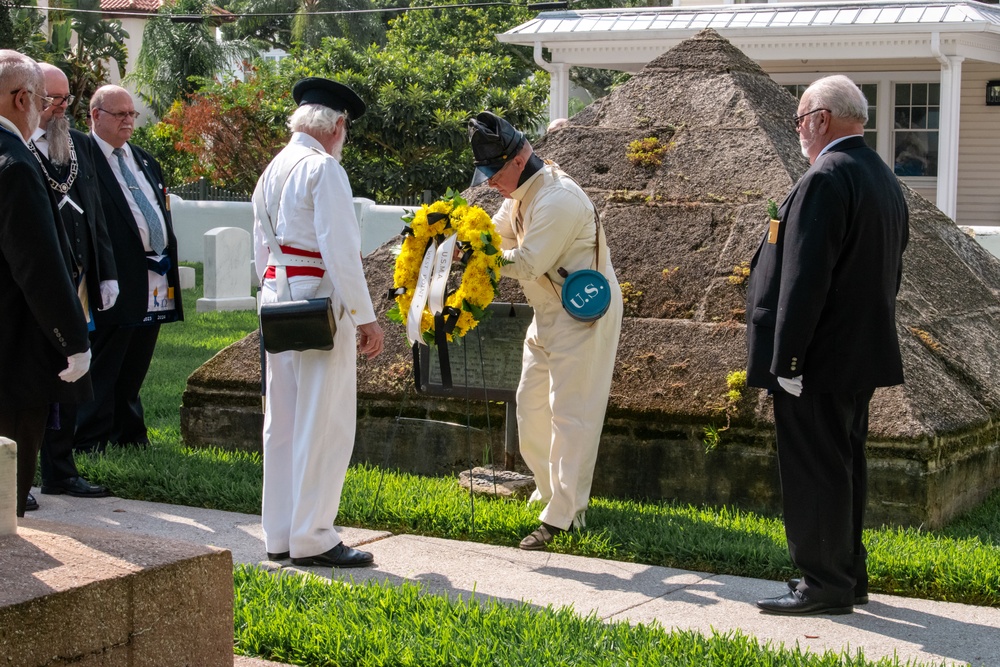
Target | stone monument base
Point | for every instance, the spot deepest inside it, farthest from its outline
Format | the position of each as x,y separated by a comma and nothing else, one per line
92,597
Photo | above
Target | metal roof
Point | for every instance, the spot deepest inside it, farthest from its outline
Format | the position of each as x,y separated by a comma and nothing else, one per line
922,15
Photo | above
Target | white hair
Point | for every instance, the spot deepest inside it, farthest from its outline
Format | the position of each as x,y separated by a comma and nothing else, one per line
314,118
840,95
19,71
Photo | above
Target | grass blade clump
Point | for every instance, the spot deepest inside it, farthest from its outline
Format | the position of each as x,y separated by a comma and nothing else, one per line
306,620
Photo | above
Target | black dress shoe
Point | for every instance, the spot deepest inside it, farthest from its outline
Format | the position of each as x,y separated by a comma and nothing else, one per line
339,556
793,584
30,505
283,555
794,603
77,487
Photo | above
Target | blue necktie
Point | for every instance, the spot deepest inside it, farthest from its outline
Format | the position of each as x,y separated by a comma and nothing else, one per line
156,240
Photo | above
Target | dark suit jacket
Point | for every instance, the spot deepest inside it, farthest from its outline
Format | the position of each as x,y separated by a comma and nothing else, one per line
87,189
42,319
130,257
821,301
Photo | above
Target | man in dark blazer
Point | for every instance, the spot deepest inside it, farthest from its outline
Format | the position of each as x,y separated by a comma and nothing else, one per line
44,351
821,334
145,249
67,162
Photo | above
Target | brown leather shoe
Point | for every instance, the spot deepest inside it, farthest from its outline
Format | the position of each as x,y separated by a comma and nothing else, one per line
540,537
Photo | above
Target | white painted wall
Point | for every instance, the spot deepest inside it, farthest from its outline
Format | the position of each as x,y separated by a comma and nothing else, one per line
193,219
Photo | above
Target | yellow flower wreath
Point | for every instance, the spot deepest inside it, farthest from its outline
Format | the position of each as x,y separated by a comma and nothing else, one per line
480,243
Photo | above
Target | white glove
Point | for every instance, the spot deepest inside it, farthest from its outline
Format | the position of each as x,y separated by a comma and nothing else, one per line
792,386
109,293
78,366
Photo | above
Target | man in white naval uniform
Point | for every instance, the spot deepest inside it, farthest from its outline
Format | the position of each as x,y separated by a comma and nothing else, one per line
310,415
547,222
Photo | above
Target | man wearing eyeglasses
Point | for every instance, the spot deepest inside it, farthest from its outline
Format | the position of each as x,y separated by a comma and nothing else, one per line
44,350
137,214
821,335
66,158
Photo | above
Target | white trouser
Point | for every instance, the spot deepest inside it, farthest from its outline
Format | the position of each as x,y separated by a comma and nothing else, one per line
309,429
561,400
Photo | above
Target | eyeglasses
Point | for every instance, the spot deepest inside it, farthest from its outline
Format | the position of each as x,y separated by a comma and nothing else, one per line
492,179
46,100
58,100
798,119
121,115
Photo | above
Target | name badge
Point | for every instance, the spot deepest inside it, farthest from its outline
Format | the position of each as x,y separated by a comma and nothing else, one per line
772,231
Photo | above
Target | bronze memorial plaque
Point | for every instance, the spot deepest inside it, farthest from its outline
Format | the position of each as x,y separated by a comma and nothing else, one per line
486,364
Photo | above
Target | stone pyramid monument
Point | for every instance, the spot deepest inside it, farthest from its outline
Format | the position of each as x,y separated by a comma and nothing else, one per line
684,209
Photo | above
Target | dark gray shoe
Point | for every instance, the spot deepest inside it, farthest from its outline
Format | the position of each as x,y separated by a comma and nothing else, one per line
339,556
540,537
793,585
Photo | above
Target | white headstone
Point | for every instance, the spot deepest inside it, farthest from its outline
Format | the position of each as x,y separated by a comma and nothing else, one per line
8,487
227,274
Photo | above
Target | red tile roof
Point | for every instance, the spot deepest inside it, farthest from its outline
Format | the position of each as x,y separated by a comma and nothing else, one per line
131,5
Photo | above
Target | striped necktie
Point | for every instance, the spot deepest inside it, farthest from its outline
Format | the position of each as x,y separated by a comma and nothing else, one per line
156,240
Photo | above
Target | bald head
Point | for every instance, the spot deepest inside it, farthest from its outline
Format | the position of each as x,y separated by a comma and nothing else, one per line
56,86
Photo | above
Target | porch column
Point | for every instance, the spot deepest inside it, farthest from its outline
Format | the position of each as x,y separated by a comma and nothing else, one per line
558,91
951,101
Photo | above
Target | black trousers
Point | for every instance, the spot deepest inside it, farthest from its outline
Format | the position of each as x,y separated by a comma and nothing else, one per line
824,488
121,357
26,428
57,448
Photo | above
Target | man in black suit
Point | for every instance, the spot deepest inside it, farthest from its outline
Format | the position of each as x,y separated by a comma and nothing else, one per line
44,351
821,333
145,250
67,162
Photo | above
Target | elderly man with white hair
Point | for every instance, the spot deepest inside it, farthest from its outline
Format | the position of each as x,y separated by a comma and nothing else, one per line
44,350
304,204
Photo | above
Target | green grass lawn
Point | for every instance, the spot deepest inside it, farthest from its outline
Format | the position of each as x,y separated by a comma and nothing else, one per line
960,563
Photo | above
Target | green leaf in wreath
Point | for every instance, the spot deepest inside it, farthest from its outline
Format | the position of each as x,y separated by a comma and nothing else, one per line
394,315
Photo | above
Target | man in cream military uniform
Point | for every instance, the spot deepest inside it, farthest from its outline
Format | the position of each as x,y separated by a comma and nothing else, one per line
547,222
305,199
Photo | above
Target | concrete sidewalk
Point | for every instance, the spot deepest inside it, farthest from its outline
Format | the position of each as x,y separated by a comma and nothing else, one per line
918,630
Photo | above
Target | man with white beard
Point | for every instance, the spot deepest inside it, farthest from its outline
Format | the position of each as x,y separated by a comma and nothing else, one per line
67,163
44,349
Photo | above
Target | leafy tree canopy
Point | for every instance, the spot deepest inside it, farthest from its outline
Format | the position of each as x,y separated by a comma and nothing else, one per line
177,56
412,138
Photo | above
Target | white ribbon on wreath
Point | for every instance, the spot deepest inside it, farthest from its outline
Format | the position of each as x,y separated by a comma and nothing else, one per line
420,294
442,268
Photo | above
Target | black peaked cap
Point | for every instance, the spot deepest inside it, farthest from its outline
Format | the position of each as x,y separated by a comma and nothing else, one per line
337,96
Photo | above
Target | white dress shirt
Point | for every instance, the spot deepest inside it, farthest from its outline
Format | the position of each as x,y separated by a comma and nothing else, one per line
144,185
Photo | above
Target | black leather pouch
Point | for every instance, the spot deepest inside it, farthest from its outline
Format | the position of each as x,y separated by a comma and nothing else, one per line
307,324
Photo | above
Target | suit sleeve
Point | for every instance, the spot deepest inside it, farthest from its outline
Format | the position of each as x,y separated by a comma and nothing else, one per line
106,268
339,236
41,273
814,233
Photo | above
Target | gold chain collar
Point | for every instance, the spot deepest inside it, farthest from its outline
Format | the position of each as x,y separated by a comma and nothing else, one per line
73,168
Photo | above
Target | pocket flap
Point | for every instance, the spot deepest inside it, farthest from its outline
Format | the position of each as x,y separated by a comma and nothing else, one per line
764,317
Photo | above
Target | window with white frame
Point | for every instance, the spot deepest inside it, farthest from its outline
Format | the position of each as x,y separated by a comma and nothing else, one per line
916,118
